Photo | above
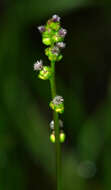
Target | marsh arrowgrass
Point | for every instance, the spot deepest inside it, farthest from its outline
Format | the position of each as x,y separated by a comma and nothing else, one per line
53,36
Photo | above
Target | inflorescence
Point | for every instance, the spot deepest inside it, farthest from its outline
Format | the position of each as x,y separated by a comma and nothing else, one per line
52,36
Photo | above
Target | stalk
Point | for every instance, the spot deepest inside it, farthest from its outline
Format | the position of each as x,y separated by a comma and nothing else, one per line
56,126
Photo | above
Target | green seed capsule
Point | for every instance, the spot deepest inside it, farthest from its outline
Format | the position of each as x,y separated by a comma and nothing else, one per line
62,137
52,138
53,57
45,73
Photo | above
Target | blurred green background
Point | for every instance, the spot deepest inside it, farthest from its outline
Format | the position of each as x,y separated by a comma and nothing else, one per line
27,158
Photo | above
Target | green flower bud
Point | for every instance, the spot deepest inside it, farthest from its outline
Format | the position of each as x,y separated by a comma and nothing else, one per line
59,57
53,54
46,33
56,38
54,26
52,124
46,41
62,137
53,57
58,108
47,51
45,73
52,137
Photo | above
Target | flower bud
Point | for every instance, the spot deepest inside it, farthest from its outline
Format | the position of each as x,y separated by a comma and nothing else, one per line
62,137
55,26
46,41
59,57
52,137
52,124
45,73
57,38
53,54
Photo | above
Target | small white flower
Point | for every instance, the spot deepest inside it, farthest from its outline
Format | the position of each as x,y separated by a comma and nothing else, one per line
62,32
61,45
41,28
56,18
55,50
38,65
58,100
52,124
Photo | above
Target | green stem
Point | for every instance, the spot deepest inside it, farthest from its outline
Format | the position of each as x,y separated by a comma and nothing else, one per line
56,126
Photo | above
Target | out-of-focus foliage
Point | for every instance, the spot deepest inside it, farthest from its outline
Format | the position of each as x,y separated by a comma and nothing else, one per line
27,158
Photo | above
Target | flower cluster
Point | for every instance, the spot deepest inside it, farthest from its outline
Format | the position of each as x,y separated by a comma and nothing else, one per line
57,104
53,37
44,71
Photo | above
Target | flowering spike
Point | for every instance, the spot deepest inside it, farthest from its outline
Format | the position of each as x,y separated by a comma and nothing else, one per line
53,37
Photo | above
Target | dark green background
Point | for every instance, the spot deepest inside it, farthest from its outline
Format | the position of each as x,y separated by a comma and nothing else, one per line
27,158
